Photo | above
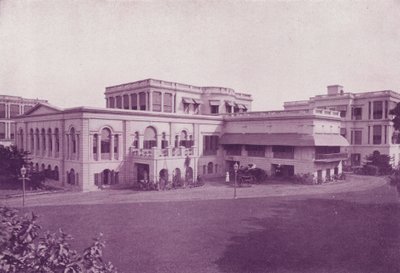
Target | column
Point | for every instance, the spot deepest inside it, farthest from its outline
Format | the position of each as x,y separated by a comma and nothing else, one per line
162,101
67,147
119,150
90,151
98,147
130,101
77,147
140,142
151,101
112,147
53,145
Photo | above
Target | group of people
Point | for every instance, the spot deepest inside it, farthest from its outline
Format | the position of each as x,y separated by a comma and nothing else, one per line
163,184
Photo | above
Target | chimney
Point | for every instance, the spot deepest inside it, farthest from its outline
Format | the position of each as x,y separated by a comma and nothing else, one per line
335,90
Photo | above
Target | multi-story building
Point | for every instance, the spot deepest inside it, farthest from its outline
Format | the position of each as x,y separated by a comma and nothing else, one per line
11,107
365,120
154,130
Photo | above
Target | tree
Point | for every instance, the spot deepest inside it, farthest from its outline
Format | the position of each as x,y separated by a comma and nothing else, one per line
11,160
22,250
396,119
379,162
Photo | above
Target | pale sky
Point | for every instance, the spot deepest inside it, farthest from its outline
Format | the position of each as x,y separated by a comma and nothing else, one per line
68,51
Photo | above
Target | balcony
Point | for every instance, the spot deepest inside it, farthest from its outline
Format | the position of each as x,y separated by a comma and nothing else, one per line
330,157
156,153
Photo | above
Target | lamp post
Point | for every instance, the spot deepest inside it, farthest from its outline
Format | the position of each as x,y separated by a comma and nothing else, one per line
235,167
23,173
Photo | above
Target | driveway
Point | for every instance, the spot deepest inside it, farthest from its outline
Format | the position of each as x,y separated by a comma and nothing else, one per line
210,191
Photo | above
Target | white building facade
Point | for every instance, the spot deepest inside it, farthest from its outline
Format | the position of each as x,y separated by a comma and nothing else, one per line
11,107
365,120
155,129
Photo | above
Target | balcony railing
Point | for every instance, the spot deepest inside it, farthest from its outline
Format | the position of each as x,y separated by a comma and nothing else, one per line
334,156
167,152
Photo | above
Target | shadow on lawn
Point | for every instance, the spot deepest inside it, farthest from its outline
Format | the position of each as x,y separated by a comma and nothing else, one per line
319,236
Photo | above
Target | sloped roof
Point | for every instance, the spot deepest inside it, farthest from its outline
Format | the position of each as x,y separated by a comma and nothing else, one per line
289,139
47,107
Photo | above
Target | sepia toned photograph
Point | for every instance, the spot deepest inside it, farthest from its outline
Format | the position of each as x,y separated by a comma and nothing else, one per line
199,136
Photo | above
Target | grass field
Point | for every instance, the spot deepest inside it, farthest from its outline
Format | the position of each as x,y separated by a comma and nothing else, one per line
354,232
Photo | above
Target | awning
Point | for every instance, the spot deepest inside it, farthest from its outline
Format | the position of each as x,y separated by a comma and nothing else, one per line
229,103
187,100
214,102
240,106
197,101
288,139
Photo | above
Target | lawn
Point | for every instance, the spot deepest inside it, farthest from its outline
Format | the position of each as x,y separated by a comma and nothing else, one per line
356,232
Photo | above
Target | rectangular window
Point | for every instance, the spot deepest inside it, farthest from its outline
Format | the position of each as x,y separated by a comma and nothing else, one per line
233,149
369,134
343,132
142,101
126,101
386,109
285,152
168,102
196,108
378,109
14,110
118,102
134,101
2,110
343,114
357,137
377,134
357,113
355,159
214,109
369,110
111,102
2,130
12,130
255,150
164,144
210,145
385,137
186,107
157,101
148,144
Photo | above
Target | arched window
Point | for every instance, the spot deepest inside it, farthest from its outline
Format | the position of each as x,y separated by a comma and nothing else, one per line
32,140
164,141
49,139
56,173
94,146
136,140
37,139
105,143
176,141
72,136
21,139
184,139
150,138
57,141
43,136
71,177
116,143
210,167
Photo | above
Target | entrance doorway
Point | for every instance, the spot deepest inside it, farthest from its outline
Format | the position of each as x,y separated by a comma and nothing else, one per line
279,170
142,172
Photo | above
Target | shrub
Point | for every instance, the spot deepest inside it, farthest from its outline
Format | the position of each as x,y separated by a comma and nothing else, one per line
306,178
378,164
22,250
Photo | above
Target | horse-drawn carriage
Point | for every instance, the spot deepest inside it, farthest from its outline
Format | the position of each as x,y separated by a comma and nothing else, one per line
250,175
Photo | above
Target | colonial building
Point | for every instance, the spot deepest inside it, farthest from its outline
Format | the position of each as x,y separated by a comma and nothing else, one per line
10,107
365,120
154,130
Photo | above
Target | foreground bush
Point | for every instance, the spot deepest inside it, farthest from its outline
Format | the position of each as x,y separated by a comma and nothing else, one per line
23,251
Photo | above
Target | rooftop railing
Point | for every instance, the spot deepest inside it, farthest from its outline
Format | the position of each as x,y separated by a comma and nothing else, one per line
286,113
